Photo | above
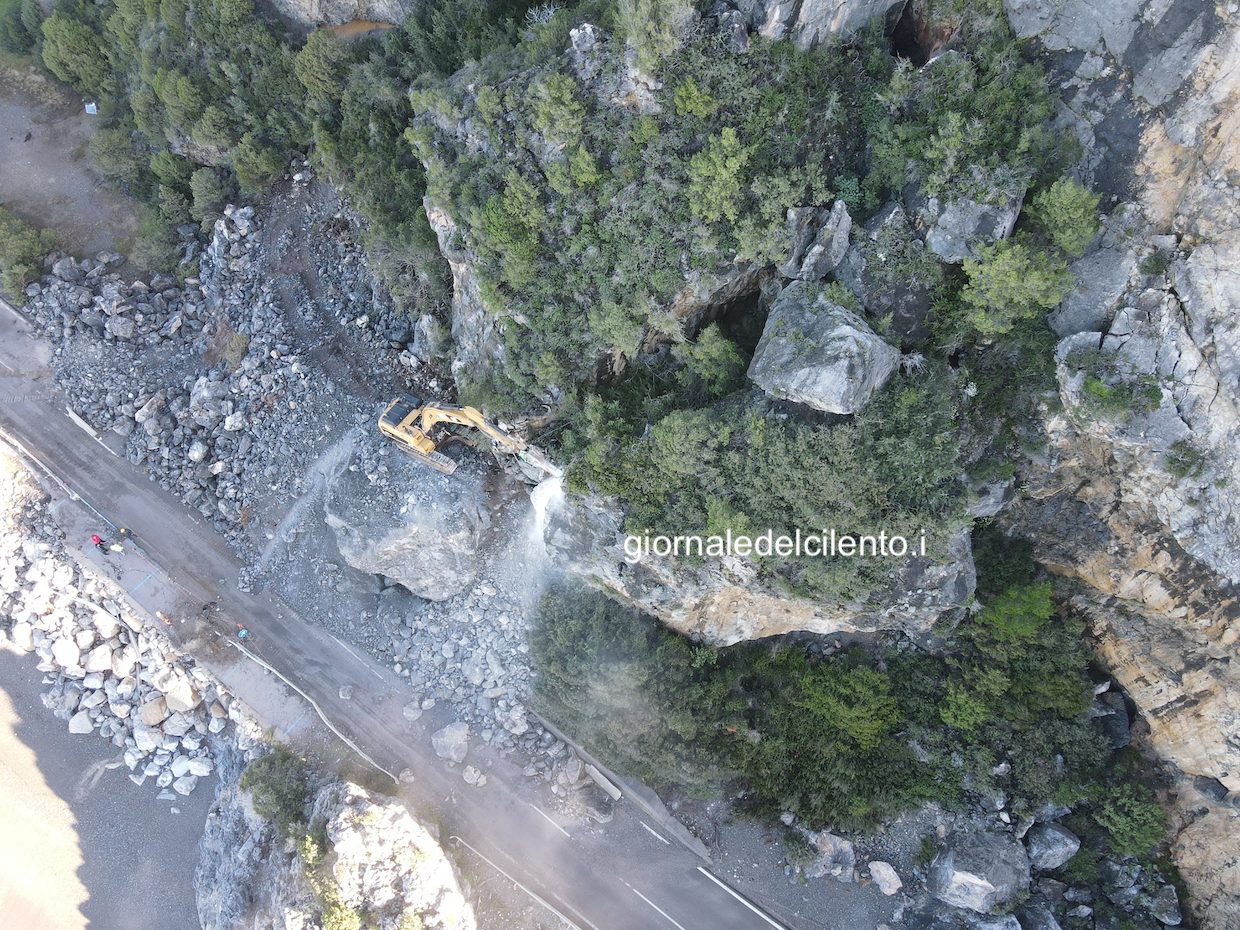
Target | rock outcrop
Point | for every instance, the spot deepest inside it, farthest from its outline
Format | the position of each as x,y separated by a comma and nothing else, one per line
979,871
378,860
808,22
820,354
1133,499
726,601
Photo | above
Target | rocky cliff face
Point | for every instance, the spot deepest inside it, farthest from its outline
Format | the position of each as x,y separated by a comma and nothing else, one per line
377,860
724,601
1134,499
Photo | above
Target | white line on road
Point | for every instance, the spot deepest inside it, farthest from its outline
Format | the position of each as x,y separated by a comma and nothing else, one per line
356,656
654,834
777,926
548,819
537,897
666,916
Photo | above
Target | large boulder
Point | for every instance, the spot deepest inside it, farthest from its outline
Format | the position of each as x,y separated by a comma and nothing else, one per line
979,871
818,239
954,227
1050,845
820,354
452,742
414,525
891,272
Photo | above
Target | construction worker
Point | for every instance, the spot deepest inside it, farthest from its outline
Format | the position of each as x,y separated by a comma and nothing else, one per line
99,543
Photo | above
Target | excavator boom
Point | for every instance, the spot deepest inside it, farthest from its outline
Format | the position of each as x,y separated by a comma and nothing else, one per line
417,428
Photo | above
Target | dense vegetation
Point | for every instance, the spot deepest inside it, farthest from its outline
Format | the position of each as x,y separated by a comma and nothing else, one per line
588,217
850,739
22,248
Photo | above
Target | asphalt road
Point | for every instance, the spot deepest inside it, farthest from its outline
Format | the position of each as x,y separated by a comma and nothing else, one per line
624,877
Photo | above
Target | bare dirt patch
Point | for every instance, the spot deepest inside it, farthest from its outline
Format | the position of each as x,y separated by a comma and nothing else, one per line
46,176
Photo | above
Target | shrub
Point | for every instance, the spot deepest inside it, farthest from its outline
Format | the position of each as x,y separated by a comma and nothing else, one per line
715,177
112,152
279,787
1011,282
22,248
653,28
209,192
1068,215
14,35
691,100
556,112
1183,461
1133,820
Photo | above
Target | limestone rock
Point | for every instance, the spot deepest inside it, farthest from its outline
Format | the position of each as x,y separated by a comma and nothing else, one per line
452,742
80,722
954,228
819,241
809,22
979,871
885,877
817,353
421,529
1050,845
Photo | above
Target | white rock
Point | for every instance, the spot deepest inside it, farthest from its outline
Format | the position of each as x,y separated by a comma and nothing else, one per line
65,653
153,712
185,784
147,738
99,659
200,766
80,722
22,636
885,877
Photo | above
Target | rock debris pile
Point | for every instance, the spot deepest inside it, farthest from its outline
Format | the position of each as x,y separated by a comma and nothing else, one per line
217,386
108,672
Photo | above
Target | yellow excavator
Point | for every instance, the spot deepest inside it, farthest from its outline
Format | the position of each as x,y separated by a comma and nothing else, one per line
422,428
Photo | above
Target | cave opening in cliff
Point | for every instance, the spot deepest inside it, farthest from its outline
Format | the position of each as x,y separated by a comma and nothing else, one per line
916,37
742,320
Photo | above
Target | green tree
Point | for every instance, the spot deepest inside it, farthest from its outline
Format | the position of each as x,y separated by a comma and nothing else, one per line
279,786
1068,215
22,248
691,100
510,225
76,54
209,193
557,112
14,36
654,28
715,177
1135,822
322,66
112,152
1011,282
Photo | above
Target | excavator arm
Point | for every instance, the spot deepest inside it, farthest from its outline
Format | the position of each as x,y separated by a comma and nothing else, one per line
417,428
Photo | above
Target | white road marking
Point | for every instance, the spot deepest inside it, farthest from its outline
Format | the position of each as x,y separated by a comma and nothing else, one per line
549,820
654,834
6,367
541,900
777,926
664,914
369,668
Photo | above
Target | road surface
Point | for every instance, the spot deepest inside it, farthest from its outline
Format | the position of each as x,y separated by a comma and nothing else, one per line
625,877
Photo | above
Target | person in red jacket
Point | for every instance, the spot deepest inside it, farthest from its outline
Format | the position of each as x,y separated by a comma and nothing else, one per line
99,543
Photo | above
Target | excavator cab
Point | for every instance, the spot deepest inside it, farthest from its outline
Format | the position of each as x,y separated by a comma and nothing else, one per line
401,422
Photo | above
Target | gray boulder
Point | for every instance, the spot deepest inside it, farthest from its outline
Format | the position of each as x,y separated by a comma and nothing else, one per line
1037,916
417,527
954,228
979,871
819,241
885,877
890,271
452,742
820,354
1050,845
